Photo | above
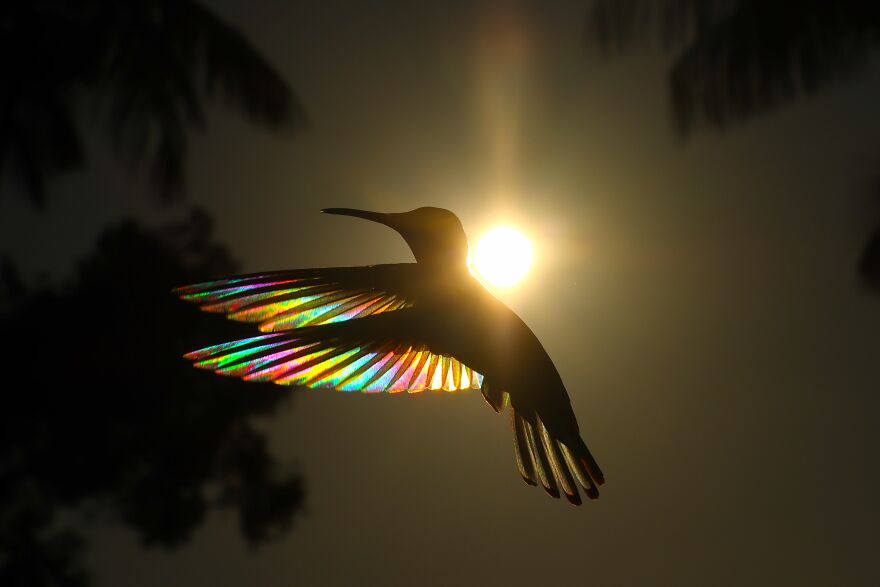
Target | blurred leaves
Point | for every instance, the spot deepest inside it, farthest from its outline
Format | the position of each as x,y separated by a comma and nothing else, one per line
104,414
869,263
736,59
145,67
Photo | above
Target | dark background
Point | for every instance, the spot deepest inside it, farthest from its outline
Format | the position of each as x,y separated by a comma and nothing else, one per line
699,179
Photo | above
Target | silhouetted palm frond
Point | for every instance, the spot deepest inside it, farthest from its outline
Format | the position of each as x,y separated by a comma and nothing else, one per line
151,65
739,58
869,265
869,262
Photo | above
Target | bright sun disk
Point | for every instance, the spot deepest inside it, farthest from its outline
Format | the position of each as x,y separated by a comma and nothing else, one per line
503,256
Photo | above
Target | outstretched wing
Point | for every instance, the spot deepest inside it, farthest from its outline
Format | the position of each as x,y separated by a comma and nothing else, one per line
380,353
284,300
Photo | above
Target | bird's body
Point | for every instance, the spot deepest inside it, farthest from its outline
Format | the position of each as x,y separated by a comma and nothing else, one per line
406,327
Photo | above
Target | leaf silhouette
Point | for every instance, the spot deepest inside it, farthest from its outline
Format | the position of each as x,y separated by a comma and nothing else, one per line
104,411
149,65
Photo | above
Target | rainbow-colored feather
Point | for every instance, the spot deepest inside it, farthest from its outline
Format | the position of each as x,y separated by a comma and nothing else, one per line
286,359
300,311
292,299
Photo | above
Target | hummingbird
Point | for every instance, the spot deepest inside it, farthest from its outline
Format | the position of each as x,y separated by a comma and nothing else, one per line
405,327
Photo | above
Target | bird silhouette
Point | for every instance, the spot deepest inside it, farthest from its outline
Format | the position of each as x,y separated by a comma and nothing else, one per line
411,327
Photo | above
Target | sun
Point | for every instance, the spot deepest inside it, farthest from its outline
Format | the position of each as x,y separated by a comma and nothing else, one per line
503,257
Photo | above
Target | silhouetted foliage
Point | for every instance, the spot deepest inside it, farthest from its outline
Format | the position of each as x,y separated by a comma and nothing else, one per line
106,414
146,66
869,264
735,59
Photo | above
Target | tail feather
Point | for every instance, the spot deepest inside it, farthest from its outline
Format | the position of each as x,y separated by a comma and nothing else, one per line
580,471
520,445
541,457
541,461
592,466
580,451
560,468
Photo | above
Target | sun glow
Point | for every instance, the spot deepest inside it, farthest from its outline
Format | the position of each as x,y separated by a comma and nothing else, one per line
502,257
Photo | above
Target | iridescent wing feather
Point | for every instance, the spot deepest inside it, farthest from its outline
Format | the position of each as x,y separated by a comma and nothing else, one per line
285,300
373,354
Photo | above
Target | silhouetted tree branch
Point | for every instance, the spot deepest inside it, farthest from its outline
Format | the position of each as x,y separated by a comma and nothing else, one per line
105,412
738,58
869,263
149,64
735,59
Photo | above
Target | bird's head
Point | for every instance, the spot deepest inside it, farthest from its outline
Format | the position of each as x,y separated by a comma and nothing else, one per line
435,235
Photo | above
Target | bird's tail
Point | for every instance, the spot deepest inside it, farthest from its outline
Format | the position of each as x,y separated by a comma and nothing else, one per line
542,457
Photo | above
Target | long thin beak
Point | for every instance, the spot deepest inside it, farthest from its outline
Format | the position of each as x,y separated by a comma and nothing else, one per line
374,216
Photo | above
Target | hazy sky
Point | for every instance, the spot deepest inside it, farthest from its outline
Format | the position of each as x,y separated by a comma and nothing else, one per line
699,299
